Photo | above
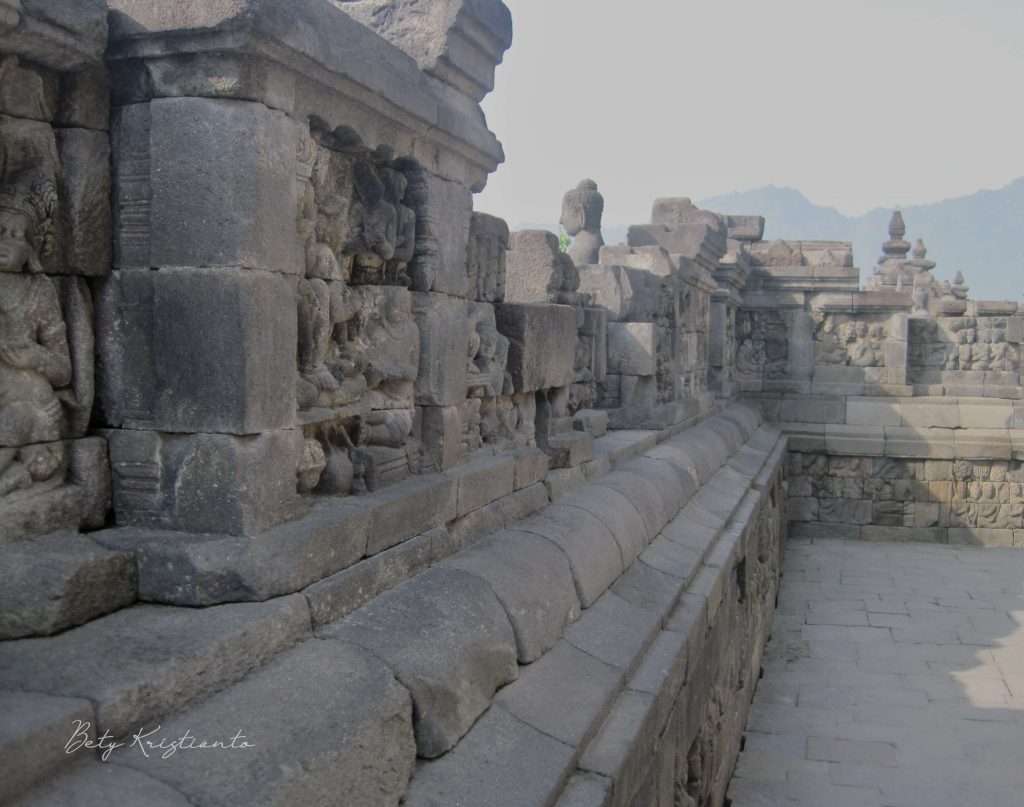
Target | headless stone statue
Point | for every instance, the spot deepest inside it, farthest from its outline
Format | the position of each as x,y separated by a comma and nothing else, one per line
581,218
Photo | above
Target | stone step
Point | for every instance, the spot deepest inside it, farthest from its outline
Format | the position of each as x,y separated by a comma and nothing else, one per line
581,714
57,582
144,662
324,723
33,735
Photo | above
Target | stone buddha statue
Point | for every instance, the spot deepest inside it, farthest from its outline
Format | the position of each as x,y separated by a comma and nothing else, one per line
581,219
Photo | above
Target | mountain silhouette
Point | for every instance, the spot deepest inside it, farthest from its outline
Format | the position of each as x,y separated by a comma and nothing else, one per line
976,234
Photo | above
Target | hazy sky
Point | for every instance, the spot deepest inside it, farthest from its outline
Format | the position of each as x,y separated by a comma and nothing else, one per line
856,103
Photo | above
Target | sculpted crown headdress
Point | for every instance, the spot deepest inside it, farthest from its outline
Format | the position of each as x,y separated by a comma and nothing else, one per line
34,196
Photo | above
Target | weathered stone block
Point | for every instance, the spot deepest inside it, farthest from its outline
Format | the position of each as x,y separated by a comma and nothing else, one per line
533,583
532,330
140,663
440,432
564,694
980,537
920,443
60,581
455,41
872,412
198,350
609,287
444,339
200,570
486,259
531,467
815,408
869,440
357,736
33,738
85,221
689,238
443,211
570,450
939,413
981,414
85,99
61,34
591,421
643,493
537,271
410,509
626,741
614,631
560,482
482,481
204,482
982,444
745,228
477,770
446,637
592,552
202,182
632,348
340,594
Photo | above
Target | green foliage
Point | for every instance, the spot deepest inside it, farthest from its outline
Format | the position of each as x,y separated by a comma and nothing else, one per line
564,241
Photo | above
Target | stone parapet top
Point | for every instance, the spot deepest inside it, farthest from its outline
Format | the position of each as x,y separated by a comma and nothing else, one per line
305,57
65,35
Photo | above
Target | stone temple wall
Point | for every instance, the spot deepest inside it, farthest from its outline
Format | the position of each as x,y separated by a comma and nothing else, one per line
293,436
902,402
294,442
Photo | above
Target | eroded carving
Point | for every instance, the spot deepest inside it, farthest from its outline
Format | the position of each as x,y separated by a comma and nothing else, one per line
762,350
35,359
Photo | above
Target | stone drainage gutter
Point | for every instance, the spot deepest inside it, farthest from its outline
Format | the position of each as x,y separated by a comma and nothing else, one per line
604,645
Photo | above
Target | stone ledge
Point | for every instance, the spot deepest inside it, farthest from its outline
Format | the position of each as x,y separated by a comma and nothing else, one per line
60,581
139,664
646,628
310,737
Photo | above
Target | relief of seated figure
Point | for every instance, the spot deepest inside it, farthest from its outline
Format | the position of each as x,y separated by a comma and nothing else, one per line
325,308
1002,356
486,376
373,224
965,349
391,350
35,362
981,352
863,350
827,347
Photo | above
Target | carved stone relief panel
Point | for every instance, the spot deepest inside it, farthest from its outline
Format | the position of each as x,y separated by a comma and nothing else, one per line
762,346
965,343
50,477
358,345
842,340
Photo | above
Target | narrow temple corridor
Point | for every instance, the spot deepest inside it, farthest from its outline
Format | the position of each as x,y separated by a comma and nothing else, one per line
894,678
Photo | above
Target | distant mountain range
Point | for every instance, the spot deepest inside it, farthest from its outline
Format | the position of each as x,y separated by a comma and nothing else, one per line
980,234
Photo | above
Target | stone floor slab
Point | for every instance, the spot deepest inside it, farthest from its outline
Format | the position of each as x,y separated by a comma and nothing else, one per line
899,664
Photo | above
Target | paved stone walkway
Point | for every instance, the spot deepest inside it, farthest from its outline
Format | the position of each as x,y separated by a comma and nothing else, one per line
894,678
